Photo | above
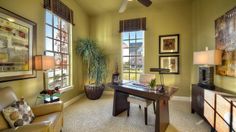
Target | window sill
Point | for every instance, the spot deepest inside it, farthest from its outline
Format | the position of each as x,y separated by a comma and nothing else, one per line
65,89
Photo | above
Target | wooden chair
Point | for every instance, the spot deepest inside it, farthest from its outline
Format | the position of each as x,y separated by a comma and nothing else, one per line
144,80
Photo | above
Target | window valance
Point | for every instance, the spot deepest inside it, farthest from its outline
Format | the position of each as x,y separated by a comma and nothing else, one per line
133,24
60,9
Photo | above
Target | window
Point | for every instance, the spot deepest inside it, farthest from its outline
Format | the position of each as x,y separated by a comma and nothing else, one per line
58,44
132,55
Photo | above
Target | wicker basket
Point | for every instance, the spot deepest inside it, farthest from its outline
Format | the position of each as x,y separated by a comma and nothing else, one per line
94,92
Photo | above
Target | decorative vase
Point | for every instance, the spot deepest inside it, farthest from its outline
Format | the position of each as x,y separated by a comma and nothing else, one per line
94,92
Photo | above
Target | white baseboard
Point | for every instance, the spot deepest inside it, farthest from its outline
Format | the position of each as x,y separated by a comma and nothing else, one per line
73,100
181,98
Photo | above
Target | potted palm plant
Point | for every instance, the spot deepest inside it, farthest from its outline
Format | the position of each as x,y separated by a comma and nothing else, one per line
95,60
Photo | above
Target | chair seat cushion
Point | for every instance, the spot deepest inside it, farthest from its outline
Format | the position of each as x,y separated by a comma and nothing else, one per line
140,101
53,118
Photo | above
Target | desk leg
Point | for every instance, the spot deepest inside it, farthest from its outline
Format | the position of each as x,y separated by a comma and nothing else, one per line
162,115
120,103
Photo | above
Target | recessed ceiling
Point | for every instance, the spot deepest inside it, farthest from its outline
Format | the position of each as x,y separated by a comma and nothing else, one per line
95,7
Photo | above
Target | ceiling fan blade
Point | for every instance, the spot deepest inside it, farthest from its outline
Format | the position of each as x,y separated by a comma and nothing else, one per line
146,3
123,6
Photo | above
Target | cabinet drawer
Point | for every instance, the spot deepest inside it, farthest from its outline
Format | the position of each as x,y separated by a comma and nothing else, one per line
223,107
209,96
209,113
234,116
221,125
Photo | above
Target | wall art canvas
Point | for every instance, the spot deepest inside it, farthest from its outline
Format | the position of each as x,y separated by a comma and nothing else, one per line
170,62
17,46
225,38
169,44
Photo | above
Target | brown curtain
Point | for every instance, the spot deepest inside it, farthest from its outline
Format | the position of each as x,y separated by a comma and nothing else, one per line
60,9
133,24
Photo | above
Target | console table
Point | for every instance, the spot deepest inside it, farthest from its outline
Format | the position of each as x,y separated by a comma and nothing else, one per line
122,92
216,107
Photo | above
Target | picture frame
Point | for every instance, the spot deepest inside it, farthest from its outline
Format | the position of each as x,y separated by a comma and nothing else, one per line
169,44
225,41
17,46
169,62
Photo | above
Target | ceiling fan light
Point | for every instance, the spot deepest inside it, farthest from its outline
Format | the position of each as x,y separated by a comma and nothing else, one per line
130,0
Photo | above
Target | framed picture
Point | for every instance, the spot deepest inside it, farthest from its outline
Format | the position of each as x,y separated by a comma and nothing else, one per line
225,40
170,62
169,44
17,46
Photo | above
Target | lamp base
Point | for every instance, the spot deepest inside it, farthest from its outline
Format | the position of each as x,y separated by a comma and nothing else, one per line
211,87
206,77
161,89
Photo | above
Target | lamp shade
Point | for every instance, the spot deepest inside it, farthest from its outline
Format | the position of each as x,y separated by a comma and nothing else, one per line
209,57
43,63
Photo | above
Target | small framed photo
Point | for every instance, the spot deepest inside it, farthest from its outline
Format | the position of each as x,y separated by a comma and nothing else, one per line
170,62
169,44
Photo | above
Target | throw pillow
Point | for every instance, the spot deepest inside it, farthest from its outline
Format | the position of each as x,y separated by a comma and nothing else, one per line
18,113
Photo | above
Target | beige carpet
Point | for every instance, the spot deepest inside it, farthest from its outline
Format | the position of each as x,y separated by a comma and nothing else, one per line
96,116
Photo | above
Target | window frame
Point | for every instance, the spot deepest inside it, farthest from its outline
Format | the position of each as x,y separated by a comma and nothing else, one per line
69,53
135,55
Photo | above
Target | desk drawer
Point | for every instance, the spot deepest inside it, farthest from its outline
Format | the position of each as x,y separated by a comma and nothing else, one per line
221,125
223,107
209,113
209,96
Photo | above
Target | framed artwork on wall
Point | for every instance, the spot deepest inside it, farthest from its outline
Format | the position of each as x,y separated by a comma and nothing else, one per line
17,46
169,62
225,38
169,44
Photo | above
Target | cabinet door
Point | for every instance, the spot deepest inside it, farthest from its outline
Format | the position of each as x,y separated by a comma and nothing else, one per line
221,125
209,114
198,99
209,96
223,108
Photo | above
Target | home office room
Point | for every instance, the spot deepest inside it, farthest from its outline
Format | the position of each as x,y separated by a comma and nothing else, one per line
120,65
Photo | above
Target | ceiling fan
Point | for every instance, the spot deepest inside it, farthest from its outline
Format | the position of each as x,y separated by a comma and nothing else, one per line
124,4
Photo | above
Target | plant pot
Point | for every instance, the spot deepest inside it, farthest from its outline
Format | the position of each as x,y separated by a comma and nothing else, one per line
94,92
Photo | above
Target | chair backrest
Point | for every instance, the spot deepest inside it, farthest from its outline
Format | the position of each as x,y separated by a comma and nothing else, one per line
7,97
146,78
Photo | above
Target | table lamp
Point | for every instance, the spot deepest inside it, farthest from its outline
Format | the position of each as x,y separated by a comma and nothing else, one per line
44,63
207,60
161,72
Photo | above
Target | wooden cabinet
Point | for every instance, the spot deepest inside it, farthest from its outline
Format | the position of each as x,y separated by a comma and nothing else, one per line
217,107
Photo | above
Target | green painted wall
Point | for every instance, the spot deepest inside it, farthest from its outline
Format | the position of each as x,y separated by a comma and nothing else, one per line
163,18
33,10
192,19
205,12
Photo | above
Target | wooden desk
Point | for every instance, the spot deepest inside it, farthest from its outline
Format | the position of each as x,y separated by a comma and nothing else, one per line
120,103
